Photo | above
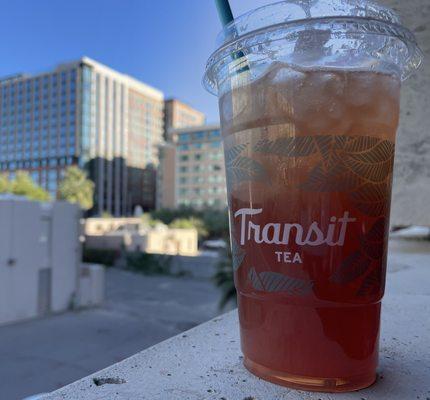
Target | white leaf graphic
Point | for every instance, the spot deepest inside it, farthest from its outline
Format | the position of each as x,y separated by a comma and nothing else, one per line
270,281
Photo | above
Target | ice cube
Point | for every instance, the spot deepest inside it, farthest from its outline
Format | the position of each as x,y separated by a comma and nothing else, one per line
284,74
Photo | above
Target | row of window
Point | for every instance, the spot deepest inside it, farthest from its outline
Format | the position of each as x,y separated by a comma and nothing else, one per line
36,103
24,155
37,82
199,136
200,168
199,191
200,179
191,146
31,136
200,156
202,203
45,162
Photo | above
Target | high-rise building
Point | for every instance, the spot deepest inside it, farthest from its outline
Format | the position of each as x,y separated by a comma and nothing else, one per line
191,169
180,115
87,114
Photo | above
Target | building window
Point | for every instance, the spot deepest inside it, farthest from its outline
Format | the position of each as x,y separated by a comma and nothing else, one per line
199,135
184,158
184,137
216,144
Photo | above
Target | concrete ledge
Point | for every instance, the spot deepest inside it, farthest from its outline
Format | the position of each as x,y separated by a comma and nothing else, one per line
206,362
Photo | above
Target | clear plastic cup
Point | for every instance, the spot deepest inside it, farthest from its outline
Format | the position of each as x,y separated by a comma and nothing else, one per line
309,103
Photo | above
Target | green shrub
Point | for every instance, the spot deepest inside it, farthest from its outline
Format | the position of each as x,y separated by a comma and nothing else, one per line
212,223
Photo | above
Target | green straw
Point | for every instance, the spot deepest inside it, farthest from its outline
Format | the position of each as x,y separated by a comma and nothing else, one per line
225,15
224,11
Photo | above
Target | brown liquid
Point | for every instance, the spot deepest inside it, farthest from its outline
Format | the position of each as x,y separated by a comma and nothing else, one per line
310,153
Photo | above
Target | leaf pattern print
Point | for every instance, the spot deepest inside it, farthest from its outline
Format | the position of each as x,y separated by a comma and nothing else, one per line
373,243
371,284
243,169
378,231
294,146
372,198
240,168
255,279
271,282
233,152
335,179
355,265
238,254
324,145
374,164
359,143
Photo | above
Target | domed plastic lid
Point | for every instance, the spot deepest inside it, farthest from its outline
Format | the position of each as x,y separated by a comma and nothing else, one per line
342,19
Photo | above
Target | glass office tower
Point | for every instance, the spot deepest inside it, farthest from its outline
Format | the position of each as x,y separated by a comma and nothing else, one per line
84,113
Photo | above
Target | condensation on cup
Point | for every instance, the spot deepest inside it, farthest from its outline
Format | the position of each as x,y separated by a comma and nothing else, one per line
309,103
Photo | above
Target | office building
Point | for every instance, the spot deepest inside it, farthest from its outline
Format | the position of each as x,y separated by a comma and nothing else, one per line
84,113
191,169
180,115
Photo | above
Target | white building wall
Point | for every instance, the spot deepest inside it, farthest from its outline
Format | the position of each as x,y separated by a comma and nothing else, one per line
39,258
66,254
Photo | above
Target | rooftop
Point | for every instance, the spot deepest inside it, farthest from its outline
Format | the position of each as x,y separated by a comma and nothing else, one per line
127,79
192,129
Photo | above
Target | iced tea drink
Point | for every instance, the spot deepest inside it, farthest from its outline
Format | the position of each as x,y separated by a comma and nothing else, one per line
309,156
309,104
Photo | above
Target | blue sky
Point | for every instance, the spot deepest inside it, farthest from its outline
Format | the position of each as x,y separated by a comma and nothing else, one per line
165,43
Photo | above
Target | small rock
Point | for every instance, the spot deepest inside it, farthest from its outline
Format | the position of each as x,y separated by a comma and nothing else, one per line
108,381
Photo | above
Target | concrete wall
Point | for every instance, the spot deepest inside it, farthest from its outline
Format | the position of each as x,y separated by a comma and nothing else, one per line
39,258
411,191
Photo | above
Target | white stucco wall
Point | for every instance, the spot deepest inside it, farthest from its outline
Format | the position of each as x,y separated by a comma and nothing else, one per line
411,190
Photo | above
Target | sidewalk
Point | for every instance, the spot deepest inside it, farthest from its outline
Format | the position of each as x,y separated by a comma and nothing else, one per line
42,355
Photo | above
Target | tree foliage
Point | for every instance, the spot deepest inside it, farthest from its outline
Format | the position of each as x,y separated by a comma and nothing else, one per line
148,221
191,222
23,185
77,188
5,185
215,221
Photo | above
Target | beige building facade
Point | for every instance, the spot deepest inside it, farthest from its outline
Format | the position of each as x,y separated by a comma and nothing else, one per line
178,114
192,172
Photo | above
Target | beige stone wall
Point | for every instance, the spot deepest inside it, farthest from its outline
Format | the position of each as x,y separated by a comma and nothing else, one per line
180,115
101,226
104,234
411,190
172,241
